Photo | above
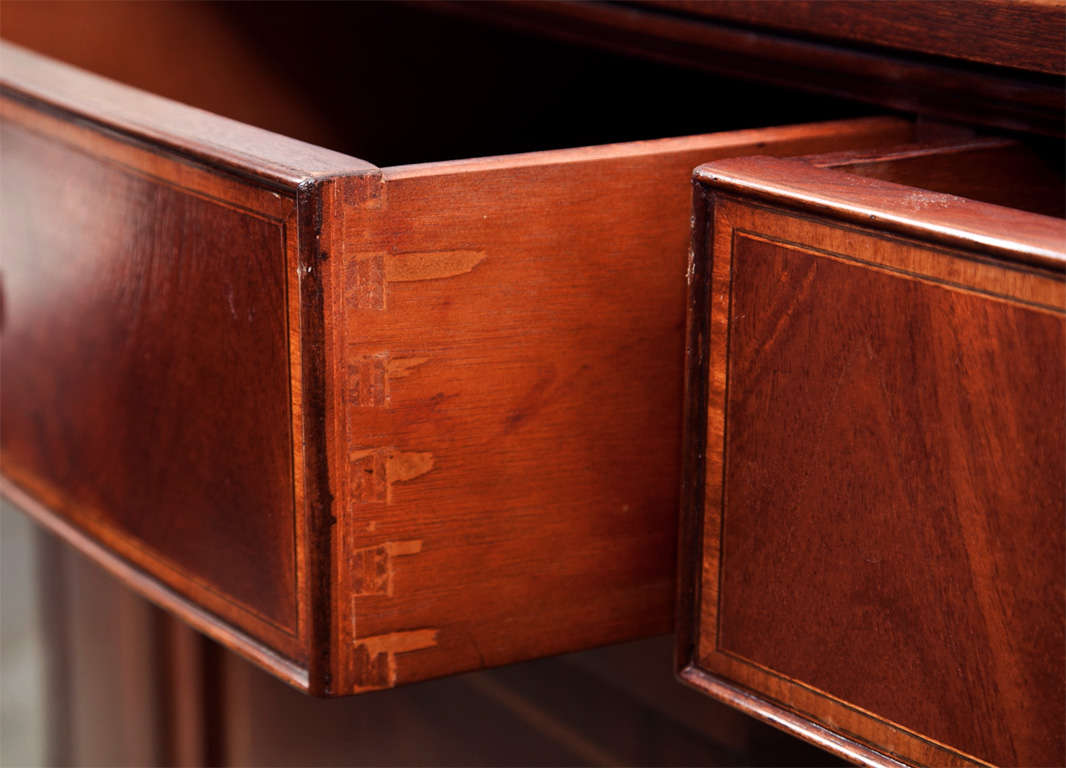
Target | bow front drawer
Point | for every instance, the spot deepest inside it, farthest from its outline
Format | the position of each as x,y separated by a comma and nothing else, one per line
873,536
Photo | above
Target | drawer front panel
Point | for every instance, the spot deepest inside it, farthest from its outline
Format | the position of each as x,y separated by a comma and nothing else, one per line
883,491
146,378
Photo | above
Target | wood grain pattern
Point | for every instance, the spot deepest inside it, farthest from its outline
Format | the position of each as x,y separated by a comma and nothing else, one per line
189,52
125,296
1025,34
832,64
956,473
158,409
115,422
934,216
986,169
507,371
364,426
206,137
875,539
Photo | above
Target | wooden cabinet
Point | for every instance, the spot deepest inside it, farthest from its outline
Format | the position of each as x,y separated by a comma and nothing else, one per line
368,425
874,543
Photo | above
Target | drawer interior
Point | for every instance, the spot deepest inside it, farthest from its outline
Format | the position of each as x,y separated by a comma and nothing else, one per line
395,84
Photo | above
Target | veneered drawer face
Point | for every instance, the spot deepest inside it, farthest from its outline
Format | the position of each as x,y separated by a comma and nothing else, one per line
882,504
146,377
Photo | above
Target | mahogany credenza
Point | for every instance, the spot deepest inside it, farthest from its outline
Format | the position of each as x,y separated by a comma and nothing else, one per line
370,425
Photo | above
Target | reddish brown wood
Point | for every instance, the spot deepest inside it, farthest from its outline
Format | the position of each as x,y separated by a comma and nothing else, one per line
355,424
937,216
193,133
959,472
998,171
494,317
158,408
875,540
941,87
106,332
191,52
495,93
1026,34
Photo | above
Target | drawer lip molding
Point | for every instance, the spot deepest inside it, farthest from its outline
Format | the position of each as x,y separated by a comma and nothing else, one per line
461,340
985,282
208,138
1028,238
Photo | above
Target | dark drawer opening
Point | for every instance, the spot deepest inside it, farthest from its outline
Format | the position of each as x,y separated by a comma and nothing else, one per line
396,84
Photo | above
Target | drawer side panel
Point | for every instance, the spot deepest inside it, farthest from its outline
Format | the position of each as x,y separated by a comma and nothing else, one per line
509,338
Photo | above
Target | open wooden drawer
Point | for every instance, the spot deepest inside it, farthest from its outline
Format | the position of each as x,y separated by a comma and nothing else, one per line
873,550
366,426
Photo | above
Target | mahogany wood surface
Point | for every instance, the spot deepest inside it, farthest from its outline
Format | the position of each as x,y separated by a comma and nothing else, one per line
839,62
146,379
1025,34
873,549
133,686
158,408
210,139
992,170
508,367
937,216
364,426
108,332
184,51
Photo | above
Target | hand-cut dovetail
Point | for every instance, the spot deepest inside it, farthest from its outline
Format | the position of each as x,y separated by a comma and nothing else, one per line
366,476
364,281
374,657
372,567
369,377
366,191
430,265
368,381
401,466
373,471
367,273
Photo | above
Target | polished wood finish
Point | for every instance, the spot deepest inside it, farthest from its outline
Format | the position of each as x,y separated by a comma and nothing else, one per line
1023,34
939,217
354,423
158,406
215,141
839,60
190,52
156,693
873,544
494,319
370,426
985,169
109,329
